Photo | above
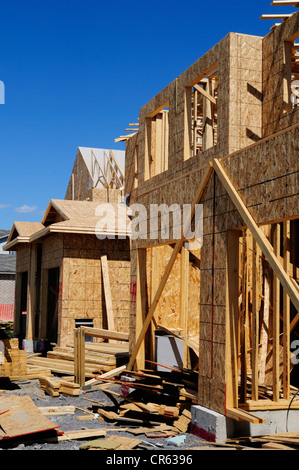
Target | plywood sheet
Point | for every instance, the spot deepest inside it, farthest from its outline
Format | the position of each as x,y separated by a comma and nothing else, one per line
19,416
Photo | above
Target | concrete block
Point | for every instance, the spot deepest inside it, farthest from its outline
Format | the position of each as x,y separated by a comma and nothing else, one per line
214,427
209,425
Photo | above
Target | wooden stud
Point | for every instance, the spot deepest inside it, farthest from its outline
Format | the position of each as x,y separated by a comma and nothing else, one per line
176,250
141,303
244,320
184,295
79,356
232,318
107,291
276,319
255,319
258,235
286,315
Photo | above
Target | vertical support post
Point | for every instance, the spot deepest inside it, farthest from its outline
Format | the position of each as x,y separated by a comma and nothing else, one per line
108,296
184,296
141,304
286,314
188,124
276,318
154,287
287,77
244,320
256,278
232,319
195,117
207,120
79,356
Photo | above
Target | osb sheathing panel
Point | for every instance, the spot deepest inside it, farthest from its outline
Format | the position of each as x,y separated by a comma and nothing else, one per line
168,312
239,109
52,251
82,180
266,176
274,116
245,91
82,285
23,254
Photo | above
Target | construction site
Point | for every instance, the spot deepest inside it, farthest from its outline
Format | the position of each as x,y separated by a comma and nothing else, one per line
189,326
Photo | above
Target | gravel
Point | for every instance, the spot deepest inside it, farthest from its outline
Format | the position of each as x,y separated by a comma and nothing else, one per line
70,422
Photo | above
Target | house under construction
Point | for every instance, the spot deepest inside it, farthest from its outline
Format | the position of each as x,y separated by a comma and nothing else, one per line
224,135
69,273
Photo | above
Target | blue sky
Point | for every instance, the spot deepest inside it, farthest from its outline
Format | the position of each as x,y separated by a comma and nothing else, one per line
76,73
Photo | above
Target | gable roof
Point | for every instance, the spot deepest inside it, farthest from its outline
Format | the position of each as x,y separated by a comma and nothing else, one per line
67,216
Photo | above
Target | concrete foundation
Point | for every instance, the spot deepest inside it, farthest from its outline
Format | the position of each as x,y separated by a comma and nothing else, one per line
214,427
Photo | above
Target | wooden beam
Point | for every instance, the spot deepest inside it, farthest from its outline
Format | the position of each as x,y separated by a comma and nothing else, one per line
107,292
176,250
284,3
255,319
106,334
242,415
258,235
276,320
205,94
79,356
286,315
232,318
276,17
184,301
141,294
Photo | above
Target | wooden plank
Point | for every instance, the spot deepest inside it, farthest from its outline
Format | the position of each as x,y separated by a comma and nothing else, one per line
286,315
57,410
255,320
242,415
20,417
141,295
107,292
284,3
106,334
154,286
176,250
232,318
276,319
107,375
265,326
184,297
276,16
244,319
205,94
79,356
258,235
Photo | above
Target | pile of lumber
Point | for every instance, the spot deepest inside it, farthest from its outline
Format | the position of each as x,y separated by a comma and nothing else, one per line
155,403
99,358
55,386
279,441
13,362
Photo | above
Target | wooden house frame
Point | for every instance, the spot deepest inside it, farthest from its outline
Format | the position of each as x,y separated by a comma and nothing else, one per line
234,302
71,270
